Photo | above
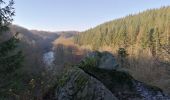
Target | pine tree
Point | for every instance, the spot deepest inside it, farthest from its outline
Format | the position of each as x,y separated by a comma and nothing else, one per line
10,55
131,30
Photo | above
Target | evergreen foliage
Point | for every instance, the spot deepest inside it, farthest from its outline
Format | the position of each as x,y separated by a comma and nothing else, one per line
10,56
150,29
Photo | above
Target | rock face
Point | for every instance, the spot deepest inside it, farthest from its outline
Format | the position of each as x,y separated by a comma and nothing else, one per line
77,85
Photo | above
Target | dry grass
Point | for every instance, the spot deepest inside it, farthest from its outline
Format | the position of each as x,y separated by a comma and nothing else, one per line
64,41
148,71
142,66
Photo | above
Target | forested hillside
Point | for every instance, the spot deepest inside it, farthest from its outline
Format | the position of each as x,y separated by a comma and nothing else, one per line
149,29
40,39
141,43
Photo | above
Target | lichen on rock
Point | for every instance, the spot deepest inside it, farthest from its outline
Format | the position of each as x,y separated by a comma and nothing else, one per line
81,86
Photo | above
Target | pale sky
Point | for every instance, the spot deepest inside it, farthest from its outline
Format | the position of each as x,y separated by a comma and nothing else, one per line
79,15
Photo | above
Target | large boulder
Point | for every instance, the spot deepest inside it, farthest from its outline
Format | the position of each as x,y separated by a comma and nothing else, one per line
105,60
77,85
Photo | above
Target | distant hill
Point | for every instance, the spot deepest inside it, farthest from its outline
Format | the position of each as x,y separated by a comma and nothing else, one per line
147,30
68,34
43,39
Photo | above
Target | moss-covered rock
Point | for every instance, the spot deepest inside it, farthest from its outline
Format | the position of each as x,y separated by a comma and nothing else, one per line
77,85
102,60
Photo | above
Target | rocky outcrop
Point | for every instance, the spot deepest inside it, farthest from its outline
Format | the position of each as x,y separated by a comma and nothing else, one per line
90,82
77,85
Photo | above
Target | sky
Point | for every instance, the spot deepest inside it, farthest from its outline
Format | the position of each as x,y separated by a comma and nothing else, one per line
78,15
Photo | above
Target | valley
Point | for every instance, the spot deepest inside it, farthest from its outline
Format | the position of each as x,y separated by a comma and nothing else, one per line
123,59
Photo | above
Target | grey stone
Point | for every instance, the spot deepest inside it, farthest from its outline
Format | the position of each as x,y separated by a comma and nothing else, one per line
81,86
105,60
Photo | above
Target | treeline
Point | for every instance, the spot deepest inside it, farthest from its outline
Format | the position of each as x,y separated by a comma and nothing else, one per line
149,29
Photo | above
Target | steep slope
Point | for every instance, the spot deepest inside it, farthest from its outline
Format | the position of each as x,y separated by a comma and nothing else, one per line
41,39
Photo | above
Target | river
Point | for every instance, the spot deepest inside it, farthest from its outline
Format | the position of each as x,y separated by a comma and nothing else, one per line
49,58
